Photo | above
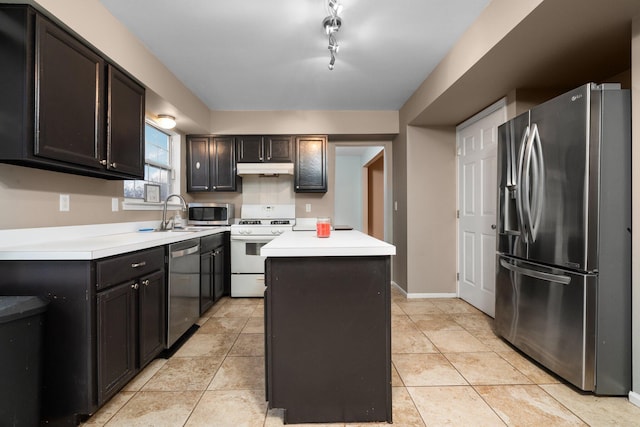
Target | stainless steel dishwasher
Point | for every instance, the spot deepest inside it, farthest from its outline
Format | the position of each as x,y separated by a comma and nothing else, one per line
183,302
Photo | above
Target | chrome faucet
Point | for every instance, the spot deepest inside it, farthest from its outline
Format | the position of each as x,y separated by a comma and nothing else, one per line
163,224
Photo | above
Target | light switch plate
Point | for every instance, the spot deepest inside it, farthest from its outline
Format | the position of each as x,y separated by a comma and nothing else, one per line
307,207
64,203
114,204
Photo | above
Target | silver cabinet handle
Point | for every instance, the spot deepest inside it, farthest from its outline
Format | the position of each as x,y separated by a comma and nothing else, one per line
138,264
145,282
103,162
556,278
135,286
114,165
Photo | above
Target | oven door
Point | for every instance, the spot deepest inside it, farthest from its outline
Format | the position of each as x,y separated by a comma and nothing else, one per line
245,254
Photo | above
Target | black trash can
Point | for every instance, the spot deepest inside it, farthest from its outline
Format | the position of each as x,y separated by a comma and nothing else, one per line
21,338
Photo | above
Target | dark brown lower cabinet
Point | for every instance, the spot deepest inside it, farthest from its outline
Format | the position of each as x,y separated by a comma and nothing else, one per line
328,338
116,339
215,269
130,331
104,322
151,317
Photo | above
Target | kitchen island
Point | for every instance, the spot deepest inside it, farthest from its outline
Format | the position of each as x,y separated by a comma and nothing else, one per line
328,327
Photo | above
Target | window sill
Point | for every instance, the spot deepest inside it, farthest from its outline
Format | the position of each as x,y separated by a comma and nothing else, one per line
140,205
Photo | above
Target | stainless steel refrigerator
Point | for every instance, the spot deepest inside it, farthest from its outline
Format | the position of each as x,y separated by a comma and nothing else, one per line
563,273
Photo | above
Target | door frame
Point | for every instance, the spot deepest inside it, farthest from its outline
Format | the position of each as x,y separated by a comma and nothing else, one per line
496,106
366,184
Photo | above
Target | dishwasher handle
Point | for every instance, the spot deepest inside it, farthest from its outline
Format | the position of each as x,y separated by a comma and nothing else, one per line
185,252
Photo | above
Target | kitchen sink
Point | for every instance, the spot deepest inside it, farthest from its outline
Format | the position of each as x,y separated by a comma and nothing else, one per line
182,230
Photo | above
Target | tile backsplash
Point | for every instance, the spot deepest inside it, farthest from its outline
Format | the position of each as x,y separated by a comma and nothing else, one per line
274,190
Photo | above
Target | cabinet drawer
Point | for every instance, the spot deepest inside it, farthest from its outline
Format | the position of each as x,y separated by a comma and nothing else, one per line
118,269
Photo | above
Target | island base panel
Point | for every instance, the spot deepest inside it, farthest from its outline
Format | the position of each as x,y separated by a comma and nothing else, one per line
329,338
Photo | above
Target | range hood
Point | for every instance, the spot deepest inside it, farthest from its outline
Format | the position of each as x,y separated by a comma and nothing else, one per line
268,169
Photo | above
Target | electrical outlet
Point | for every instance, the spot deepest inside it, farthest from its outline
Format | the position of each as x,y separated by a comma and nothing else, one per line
114,204
307,207
64,203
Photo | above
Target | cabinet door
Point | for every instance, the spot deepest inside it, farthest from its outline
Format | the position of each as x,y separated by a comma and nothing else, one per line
250,149
125,125
198,173
311,164
151,317
218,272
116,310
206,281
69,96
278,149
223,158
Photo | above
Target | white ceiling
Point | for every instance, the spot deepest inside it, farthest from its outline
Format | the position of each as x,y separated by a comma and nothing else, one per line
263,55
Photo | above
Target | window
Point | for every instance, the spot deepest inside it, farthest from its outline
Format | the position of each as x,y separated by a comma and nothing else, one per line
158,168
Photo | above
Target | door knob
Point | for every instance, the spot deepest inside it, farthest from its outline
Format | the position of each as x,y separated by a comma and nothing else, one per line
493,226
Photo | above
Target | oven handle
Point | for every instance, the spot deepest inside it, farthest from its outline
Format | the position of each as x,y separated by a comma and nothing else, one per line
258,239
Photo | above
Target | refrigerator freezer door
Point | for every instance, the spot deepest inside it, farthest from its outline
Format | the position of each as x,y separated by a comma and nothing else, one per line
549,314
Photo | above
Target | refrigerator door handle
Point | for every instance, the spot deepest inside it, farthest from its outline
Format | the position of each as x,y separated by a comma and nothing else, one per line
555,278
526,187
520,184
537,196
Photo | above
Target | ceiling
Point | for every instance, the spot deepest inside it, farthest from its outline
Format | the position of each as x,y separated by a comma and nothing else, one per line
259,55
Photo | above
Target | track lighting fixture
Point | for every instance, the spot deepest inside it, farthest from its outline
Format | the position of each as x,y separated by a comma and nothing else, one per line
331,25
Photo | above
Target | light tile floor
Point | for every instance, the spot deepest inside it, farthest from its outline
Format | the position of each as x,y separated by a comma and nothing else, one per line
449,368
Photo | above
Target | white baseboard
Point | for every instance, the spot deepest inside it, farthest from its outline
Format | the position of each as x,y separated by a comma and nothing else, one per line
398,287
425,295
429,295
634,398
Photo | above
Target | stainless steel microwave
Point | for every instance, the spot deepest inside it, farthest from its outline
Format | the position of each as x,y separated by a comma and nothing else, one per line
211,214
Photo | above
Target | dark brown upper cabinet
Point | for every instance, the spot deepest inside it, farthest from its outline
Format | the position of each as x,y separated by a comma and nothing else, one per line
125,125
211,164
265,149
64,106
310,171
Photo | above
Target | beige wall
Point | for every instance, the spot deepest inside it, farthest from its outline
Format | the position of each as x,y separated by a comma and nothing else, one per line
400,218
431,211
305,122
30,198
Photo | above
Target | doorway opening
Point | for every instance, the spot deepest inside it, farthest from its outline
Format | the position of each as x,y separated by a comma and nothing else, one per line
363,187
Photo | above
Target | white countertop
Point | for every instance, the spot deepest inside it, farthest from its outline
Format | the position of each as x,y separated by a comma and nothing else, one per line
87,242
340,243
